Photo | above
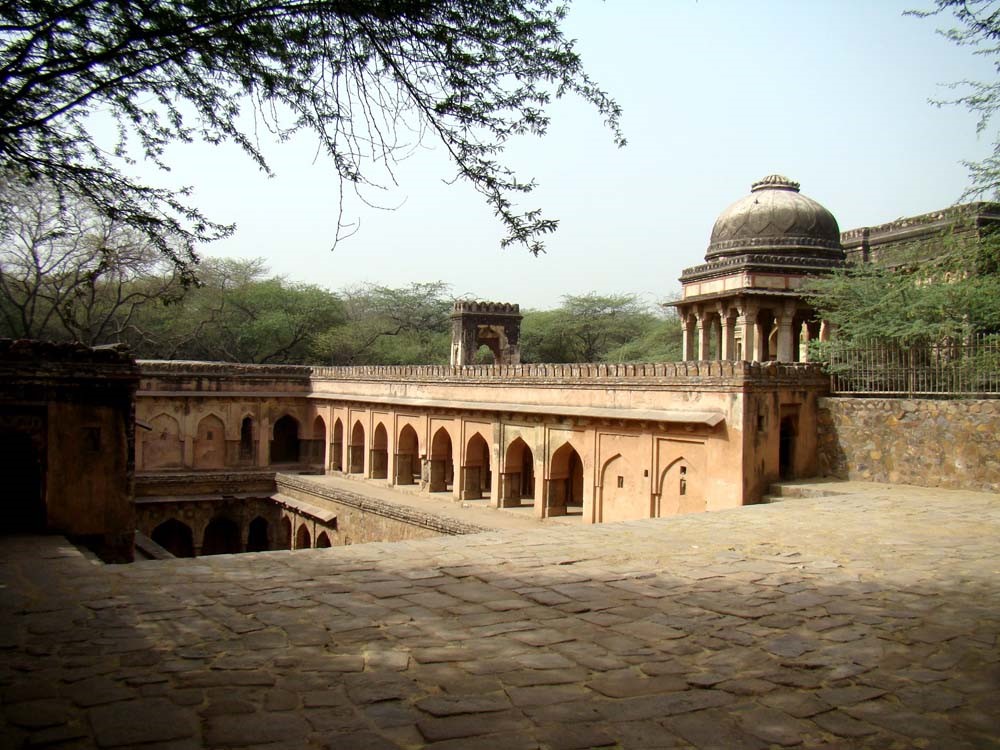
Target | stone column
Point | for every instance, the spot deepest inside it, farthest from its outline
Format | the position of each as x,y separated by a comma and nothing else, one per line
727,340
747,323
786,336
804,338
704,326
264,442
687,336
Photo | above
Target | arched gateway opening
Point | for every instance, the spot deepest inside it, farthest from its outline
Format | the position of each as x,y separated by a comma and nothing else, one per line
222,537
476,469
442,466
517,481
407,457
565,483
175,537
257,536
380,453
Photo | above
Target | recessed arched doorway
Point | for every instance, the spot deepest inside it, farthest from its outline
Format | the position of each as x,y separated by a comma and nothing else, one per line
323,540
23,506
285,445
379,459
175,537
317,446
407,456
337,446
517,482
222,537
356,449
564,488
442,466
303,540
476,469
257,536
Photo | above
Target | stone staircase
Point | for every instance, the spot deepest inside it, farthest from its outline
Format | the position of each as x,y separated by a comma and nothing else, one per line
796,488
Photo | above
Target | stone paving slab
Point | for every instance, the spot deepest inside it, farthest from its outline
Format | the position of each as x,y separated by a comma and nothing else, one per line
866,620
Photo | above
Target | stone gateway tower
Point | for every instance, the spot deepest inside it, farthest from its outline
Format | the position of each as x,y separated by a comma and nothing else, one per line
496,325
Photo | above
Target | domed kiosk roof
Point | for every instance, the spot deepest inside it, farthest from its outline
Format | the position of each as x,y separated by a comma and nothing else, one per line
775,217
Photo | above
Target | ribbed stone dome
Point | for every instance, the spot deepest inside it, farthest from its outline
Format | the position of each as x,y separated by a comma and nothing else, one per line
775,217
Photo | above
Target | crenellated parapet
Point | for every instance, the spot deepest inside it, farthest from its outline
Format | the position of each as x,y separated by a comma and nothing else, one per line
635,374
479,307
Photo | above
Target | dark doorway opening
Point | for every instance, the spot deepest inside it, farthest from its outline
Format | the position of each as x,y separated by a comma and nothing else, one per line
23,509
222,537
175,537
257,540
786,448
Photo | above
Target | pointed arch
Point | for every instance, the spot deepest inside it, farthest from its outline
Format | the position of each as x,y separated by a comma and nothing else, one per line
317,444
175,537
222,537
258,536
162,447
323,540
517,481
303,540
407,456
564,486
476,473
680,488
442,466
379,458
337,446
356,449
210,443
622,495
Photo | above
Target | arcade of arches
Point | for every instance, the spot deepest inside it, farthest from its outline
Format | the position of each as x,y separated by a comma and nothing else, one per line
580,454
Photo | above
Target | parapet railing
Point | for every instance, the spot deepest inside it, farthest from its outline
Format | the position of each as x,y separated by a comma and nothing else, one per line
594,371
534,372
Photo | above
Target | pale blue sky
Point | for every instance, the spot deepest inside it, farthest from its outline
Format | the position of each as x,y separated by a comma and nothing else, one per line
716,94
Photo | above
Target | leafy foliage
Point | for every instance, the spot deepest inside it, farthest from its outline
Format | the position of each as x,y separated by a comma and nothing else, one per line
370,78
942,290
238,315
599,328
390,326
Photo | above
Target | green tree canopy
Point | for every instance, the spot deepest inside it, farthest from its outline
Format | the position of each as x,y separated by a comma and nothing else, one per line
944,289
370,78
600,328
408,325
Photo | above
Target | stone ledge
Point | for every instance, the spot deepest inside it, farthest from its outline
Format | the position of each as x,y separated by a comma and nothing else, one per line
402,513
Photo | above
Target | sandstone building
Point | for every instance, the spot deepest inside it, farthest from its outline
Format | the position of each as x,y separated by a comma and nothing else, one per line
222,452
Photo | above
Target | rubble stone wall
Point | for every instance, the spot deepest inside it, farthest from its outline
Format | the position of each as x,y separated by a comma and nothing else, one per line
928,442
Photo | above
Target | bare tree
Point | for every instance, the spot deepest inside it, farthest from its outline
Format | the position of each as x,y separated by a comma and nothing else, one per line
67,272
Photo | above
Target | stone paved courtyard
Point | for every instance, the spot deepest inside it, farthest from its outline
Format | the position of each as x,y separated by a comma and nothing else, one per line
868,619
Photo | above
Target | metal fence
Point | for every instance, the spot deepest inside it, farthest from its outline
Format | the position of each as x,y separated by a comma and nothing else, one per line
970,367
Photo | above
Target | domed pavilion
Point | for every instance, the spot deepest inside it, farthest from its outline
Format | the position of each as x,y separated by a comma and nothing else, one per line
745,301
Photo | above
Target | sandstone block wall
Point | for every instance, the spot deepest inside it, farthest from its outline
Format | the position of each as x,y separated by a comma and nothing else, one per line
934,443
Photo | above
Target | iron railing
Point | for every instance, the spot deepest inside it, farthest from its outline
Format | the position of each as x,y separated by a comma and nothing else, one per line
966,368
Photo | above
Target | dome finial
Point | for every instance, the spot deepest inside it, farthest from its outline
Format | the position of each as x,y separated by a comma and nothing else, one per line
775,182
